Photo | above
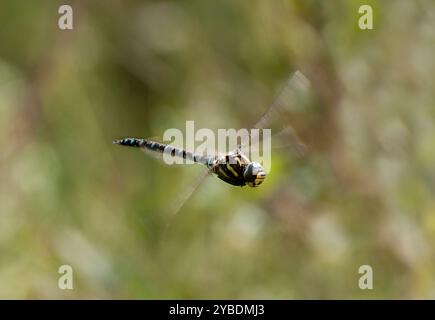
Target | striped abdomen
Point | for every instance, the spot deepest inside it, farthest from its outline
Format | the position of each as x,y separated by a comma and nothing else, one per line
162,148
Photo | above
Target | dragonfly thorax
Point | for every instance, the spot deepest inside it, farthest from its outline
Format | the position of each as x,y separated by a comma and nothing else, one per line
236,169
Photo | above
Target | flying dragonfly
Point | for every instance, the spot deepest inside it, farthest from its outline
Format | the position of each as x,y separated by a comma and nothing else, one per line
236,168
233,168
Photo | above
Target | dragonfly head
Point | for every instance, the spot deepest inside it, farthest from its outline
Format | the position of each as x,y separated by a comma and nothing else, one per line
254,174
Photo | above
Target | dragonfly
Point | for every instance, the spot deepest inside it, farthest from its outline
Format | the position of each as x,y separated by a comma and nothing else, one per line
235,167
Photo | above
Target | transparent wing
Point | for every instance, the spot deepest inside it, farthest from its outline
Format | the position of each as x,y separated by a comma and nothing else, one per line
177,203
285,138
292,96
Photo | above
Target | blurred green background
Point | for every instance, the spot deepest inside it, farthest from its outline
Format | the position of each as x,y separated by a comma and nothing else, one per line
364,194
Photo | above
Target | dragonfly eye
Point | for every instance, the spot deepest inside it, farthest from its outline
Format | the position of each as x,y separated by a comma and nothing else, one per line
254,174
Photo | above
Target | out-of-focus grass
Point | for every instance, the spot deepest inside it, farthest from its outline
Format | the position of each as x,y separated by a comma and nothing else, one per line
362,195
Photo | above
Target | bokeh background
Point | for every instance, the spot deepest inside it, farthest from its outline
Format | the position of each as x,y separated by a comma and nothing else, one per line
363,194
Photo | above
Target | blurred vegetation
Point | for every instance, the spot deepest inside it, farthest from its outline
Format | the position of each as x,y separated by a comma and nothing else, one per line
363,195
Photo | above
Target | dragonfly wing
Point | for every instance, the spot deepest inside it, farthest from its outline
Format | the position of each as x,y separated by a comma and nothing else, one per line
291,97
285,138
178,202
288,137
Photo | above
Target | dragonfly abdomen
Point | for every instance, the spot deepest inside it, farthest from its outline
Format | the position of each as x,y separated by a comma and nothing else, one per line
141,143
162,148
